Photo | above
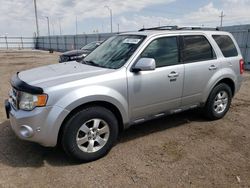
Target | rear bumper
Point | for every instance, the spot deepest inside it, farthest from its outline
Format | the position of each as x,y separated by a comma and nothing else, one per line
40,125
240,79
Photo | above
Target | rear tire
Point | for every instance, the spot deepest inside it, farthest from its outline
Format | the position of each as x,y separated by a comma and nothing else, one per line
218,102
90,134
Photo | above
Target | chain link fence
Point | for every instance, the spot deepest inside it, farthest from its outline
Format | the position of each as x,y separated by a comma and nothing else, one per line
241,34
7,42
63,43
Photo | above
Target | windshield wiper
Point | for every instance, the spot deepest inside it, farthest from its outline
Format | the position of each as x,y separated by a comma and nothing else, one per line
93,63
90,63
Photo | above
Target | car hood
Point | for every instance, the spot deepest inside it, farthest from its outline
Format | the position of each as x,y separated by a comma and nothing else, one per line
61,73
75,52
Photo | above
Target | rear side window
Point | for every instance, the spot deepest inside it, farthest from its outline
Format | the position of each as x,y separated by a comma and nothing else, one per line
226,45
196,48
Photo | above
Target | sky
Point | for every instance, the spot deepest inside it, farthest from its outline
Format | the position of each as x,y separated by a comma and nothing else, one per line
17,17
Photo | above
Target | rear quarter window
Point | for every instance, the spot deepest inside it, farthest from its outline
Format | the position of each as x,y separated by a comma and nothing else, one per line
226,45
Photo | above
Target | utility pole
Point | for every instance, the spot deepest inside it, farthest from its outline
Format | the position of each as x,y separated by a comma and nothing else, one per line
76,25
111,18
37,27
118,28
221,18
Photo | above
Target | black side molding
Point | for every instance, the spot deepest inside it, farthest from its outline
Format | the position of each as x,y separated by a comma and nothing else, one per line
20,85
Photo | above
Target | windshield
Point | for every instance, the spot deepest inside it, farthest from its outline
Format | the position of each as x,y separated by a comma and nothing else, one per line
90,46
115,51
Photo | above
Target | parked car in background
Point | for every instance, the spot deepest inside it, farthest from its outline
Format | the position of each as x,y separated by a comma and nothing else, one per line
77,55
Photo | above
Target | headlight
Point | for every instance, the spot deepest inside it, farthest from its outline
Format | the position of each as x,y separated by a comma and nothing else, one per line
82,56
29,102
74,57
77,57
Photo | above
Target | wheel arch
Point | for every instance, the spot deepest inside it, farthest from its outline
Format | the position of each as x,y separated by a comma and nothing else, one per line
227,80
104,104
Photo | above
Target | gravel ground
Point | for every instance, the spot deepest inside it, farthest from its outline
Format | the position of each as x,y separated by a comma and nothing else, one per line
183,150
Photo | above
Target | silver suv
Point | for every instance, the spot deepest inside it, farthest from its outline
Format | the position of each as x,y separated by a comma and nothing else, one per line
129,79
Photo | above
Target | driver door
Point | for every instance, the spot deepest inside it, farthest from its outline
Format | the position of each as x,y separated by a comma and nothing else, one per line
160,90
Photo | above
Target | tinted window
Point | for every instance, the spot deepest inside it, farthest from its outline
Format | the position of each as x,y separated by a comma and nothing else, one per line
226,45
197,48
163,50
115,51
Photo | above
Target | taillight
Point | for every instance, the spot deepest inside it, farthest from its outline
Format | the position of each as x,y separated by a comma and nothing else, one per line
241,66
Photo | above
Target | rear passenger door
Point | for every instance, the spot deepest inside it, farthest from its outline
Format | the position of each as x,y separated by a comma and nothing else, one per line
200,64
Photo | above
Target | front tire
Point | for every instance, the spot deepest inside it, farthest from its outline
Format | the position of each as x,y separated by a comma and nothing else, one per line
218,102
90,134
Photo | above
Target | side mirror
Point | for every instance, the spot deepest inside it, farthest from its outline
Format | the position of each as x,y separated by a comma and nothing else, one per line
144,64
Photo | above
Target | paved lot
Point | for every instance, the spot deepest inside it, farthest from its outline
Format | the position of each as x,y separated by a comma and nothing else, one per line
183,150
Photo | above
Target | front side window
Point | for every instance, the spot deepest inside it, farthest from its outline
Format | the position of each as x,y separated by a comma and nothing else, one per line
196,48
115,51
226,45
163,50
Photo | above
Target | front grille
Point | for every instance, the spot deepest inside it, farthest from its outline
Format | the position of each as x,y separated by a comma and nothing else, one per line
14,97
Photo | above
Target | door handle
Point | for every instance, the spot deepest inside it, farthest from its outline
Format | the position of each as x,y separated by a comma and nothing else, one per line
173,75
212,67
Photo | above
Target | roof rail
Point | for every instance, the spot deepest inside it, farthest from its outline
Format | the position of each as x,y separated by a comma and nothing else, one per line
166,27
180,28
198,28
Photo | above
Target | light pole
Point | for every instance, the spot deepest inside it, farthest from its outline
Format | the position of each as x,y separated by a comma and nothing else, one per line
37,27
60,27
110,11
49,33
48,25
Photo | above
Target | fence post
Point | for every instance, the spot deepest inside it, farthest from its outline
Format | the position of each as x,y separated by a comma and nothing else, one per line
74,42
86,41
6,41
22,42
43,42
57,44
65,43
50,42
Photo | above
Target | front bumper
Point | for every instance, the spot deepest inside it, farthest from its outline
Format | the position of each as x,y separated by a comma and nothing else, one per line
40,125
63,59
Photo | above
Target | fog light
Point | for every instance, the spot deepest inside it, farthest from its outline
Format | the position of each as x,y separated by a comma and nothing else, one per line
26,131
